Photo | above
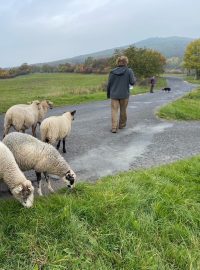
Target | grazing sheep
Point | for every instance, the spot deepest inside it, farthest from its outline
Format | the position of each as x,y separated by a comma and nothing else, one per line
23,116
32,154
57,128
20,187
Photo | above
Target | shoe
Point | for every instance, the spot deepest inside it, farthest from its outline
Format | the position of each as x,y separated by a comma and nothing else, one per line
121,127
114,130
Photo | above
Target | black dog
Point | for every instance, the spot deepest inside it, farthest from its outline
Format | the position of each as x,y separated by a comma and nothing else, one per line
166,89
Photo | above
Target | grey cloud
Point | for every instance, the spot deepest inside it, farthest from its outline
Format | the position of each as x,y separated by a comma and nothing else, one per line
45,30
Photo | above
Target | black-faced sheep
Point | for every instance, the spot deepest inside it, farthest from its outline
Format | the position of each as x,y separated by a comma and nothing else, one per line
57,128
32,154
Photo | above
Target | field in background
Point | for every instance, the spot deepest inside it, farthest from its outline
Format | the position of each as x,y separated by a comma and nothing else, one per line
62,89
135,220
58,87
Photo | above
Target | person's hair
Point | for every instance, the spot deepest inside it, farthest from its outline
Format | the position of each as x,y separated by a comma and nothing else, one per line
122,61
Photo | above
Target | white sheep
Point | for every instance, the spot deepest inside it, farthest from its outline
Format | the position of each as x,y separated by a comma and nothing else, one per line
32,154
20,187
57,128
43,109
23,116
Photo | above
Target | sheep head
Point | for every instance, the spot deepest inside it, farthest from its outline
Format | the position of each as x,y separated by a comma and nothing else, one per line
24,193
50,104
72,114
70,178
36,104
69,115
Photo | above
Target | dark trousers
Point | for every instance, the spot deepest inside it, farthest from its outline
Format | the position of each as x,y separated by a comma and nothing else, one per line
151,88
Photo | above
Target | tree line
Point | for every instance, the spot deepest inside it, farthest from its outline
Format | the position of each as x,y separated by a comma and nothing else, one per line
144,62
192,58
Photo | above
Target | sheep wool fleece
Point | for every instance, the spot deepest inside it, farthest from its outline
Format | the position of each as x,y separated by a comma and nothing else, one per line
32,154
9,170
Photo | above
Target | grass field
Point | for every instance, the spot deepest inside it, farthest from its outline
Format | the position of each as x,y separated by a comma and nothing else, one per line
62,89
185,108
145,220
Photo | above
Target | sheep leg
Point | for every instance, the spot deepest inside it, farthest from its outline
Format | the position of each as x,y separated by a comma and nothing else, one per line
33,130
48,182
64,149
58,145
6,130
39,190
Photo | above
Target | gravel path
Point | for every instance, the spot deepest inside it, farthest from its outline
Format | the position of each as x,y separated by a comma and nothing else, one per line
93,151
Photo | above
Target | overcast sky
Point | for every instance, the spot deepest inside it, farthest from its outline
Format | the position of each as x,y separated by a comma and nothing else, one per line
34,31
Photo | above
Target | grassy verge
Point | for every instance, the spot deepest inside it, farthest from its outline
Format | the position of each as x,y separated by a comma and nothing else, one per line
186,108
136,220
62,89
191,79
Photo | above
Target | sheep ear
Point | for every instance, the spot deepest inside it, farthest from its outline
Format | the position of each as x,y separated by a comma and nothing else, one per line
29,102
73,113
50,103
17,189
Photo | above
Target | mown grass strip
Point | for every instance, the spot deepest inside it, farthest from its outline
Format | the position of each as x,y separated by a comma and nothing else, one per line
185,108
192,79
136,220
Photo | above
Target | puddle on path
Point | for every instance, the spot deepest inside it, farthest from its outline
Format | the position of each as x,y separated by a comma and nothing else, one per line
107,159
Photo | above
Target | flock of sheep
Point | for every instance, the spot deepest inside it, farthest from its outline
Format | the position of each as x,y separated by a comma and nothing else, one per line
22,152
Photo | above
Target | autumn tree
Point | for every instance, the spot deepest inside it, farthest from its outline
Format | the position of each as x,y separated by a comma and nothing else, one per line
192,57
4,74
24,69
67,67
144,62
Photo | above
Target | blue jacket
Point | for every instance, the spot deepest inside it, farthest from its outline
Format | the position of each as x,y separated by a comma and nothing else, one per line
120,79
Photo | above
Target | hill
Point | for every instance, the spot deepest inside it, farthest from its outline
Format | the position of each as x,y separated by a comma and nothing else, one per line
168,46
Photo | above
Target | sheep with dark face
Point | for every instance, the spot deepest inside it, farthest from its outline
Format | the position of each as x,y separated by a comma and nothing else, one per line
57,128
32,154
20,187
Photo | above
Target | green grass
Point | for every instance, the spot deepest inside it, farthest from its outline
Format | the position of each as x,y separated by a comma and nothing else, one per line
191,79
186,108
136,220
62,89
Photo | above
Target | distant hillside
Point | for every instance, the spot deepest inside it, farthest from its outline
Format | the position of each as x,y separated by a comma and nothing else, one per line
169,47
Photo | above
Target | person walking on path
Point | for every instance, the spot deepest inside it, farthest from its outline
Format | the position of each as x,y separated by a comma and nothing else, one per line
119,82
152,84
